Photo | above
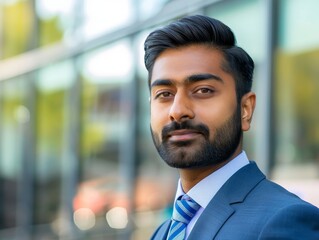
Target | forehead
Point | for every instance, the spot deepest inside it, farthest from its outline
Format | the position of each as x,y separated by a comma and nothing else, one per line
185,61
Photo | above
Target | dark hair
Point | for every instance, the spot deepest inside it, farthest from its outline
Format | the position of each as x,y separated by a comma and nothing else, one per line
204,30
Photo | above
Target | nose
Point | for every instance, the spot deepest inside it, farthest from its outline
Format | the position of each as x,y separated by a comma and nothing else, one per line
181,109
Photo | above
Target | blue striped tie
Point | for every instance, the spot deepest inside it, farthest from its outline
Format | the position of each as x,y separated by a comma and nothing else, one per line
184,211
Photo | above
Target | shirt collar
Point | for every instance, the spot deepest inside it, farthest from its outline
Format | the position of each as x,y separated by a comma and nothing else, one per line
214,181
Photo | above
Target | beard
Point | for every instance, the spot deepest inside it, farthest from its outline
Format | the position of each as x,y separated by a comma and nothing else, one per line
206,152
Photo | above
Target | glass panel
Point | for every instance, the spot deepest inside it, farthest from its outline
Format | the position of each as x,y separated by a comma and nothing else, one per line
14,115
102,16
248,19
56,19
148,9
296,97
15,27
53,84
101,203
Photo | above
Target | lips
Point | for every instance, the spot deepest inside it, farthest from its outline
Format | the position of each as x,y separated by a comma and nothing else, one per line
183,135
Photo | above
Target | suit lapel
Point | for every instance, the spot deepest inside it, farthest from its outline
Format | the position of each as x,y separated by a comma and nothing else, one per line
219,209
211,220
162,231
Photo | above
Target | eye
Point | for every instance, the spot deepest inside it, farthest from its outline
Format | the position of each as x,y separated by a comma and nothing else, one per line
163,95
204,90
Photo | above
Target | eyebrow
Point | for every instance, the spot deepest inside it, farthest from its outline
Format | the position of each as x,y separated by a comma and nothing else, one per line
202,77
189,80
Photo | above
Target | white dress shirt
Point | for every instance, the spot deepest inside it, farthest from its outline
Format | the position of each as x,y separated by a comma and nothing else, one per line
213,182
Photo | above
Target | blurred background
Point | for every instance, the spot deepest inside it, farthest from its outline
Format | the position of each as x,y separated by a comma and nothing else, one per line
76,157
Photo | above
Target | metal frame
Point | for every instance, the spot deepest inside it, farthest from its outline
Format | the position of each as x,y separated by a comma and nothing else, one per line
264,145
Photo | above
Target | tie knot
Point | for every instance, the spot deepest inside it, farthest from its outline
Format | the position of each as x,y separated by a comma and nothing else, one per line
185,209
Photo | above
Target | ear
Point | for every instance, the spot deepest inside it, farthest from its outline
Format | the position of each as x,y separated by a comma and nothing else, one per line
248,103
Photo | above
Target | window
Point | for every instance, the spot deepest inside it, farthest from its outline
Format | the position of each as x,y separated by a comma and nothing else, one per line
296,98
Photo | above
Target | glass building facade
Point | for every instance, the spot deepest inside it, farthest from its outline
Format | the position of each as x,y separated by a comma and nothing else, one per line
76,157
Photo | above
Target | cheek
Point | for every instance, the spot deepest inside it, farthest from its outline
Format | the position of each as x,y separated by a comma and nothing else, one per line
153,122
156,119
215,116
212,113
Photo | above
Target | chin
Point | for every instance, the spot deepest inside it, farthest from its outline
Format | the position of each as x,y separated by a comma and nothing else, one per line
184,159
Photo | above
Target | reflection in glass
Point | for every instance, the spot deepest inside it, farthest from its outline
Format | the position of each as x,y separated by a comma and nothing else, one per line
102,16
106,77
296,97
14,115
53,84
16,32
56,20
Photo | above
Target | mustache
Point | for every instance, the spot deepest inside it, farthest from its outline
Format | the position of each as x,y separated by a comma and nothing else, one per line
189,125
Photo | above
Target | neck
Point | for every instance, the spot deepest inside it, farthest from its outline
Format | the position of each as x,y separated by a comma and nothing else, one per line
191,176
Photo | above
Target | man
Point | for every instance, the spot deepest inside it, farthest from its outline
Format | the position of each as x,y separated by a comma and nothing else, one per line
201,102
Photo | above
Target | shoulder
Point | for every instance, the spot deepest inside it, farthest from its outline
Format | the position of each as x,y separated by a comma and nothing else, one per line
273,198
250,182
295,221
272,212
288,216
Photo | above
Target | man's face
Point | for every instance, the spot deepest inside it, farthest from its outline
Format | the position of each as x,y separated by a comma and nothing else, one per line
195,118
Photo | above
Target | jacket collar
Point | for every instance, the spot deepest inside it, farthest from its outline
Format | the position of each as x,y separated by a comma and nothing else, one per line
219,209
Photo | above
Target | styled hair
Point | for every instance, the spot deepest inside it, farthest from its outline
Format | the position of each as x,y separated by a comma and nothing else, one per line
207,31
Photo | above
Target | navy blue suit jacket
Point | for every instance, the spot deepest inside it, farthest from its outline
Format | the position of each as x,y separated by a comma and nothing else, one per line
250,207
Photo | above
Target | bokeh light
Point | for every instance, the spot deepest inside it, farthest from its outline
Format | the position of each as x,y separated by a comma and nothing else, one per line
84,218
117,218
